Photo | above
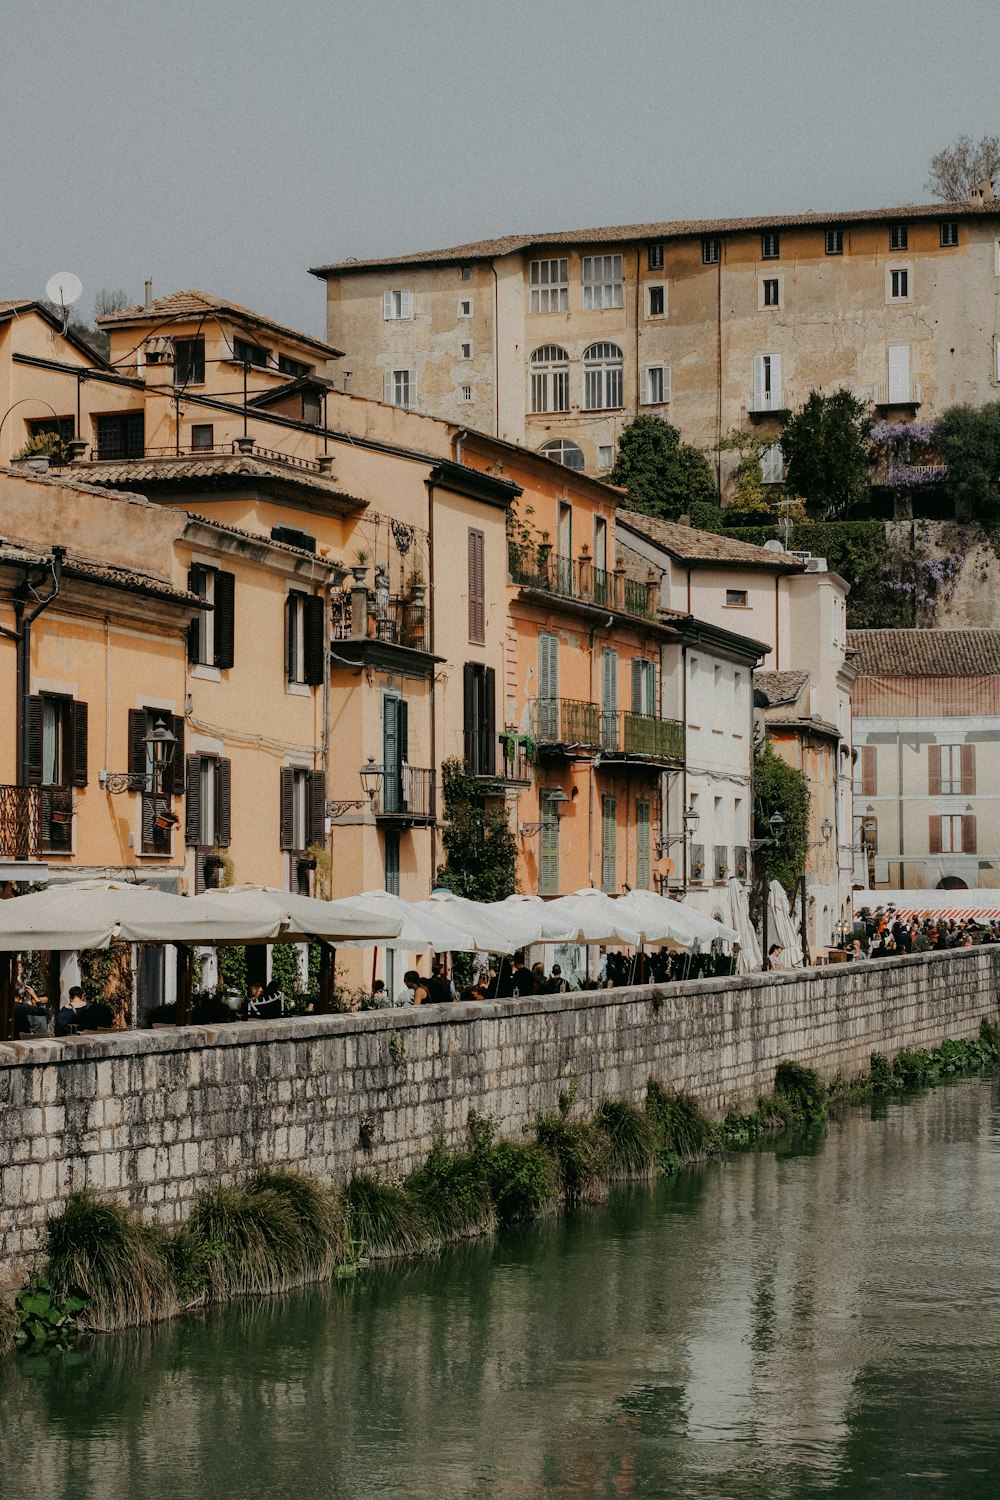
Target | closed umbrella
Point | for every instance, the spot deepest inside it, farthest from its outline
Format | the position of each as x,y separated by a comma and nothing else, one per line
749,959
782,928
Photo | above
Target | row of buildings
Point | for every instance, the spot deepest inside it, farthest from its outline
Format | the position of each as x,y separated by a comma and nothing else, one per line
247,621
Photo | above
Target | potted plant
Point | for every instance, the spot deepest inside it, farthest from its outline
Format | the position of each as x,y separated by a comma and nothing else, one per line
359,567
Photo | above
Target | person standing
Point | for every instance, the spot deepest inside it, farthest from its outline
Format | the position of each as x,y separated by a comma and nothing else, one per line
523,981
440,989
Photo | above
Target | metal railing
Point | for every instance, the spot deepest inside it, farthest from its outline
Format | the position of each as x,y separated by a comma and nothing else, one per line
513,761
20,822
395,620
405,791
535,566
645,735
194,450
570,721
901,393
766,401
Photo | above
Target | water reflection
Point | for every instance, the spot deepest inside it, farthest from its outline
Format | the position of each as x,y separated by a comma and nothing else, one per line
820,1321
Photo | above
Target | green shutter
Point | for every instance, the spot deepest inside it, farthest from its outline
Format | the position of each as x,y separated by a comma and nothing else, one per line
548,850
642,862
548,686
609,836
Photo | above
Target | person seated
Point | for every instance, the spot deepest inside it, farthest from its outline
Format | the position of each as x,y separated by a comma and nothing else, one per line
72,1015
440,989
265,1002
523,981
209,1009
775,956
557,983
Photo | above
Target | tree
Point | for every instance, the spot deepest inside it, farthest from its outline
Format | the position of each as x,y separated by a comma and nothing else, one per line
663,476
827,457
967,439
780,788
956,170
480,849
111,300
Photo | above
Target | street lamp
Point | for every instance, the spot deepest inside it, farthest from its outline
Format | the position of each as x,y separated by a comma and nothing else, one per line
776,824
557,798
691,820
161,747
371,779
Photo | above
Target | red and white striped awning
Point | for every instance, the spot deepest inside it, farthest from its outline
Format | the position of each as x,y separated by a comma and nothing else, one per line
953,906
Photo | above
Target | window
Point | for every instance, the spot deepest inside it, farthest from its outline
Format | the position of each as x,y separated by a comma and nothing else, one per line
57,762
605,457
602,376
898,357
189,361
654,255
771,292
211,635
770,246
656,301
643,687
397,305
564,542
951,770
63,427
609,839
312,408
548,844
866,772
202,435
400,388
834,243
293,367
467,393
949,232
121,435
721,853
480,725
772,464
477,586
710,251
898,237
643,862
767,382
602,281
600,544
697,861
736,598
142,761
548,686
246,353
465,272
655,385
303,808
564,452
548,282
899,285
207,811
466,350
549,367
304,653
465,307
390,847
952,833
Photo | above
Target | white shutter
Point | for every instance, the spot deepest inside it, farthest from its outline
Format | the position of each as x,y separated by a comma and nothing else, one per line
775,382
387,311
666,383
758,382
406,304
644,387
387,386
412,399
899,372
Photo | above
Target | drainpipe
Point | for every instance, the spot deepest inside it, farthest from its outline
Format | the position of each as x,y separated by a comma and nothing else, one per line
430,646
21,635
496,350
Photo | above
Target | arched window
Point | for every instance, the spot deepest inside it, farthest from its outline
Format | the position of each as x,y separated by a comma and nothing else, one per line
549,379
564,452
602,377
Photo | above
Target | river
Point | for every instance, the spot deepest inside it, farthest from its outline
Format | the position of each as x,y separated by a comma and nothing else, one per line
820,1319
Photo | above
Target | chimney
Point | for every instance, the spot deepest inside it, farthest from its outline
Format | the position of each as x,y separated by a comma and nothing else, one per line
982,192
149,294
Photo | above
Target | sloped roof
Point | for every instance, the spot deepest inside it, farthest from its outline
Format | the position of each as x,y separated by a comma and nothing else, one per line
12,307
87,571
505,244
266,540
926,653
196,304
212,468
780,688
688,544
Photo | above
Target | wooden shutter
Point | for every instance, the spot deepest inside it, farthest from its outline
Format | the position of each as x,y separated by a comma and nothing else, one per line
667,393
225,590
548,847
469,717
477,586
194,628
177,772
404,730
287,789
317,808
609,830
899,372
968,833
775,381
406,305
933,772
968,770
758,382
637,695
34,767
312,630
192,801
609,684
869,771
644,387
934,835
224,821
78,748
489,745
642,860
136,741
387,385
291,611
387,306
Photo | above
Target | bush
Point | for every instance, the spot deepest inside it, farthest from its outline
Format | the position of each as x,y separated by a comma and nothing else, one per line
802,1087
581,1152
383,1221
684,1131
318,1215
522,1180
632,1140
8,1328
100,1251
257,1242
453,1194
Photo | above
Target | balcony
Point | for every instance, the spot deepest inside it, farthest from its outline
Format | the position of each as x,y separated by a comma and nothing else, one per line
405,795
514,767
535,566
393,620
562,725
763,404
35,820
901,393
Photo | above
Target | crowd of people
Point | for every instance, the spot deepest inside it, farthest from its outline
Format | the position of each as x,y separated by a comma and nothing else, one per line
885,933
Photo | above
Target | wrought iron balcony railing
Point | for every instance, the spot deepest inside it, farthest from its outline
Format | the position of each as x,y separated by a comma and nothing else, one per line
20,822
536,566
405,792
395,620
571,722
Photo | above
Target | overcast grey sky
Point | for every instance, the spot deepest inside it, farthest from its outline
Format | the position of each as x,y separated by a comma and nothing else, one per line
230,144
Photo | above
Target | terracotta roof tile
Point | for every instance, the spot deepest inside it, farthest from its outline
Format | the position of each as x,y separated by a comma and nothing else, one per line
138,472
780,688
88,571
926,653
195,304
664,230
688,544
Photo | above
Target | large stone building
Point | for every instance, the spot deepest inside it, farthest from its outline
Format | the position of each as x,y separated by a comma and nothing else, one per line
557,341
927,776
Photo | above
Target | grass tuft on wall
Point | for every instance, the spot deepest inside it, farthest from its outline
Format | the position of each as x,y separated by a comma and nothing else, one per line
100,1251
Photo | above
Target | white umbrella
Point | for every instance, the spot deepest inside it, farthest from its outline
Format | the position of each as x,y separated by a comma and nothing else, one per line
706,928
492,936
664,921
529,920
595,917
420,929
91,913
782,928
301,917
749,959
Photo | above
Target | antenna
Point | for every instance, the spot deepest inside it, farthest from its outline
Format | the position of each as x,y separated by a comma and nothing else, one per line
64,288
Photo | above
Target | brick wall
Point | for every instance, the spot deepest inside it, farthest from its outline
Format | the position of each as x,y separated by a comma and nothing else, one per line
157,1117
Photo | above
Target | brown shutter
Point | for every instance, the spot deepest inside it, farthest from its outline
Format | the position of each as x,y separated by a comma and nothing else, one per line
150,807
78,722
469,717
225,608
312,630
192,801
287,800
968,770
225,819
194,628
317,808
177,776
869,771
477,587
136,741
490,723
934,835
934,776
291,605
34,741
968,833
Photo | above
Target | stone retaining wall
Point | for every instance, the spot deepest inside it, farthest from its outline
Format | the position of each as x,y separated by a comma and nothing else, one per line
157,1117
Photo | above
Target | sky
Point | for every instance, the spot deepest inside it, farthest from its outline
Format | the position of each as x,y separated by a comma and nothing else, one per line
228,145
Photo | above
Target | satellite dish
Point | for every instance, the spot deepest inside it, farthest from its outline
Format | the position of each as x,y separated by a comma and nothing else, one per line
63,288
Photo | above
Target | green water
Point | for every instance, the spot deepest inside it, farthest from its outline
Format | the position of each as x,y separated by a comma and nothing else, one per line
819,1321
